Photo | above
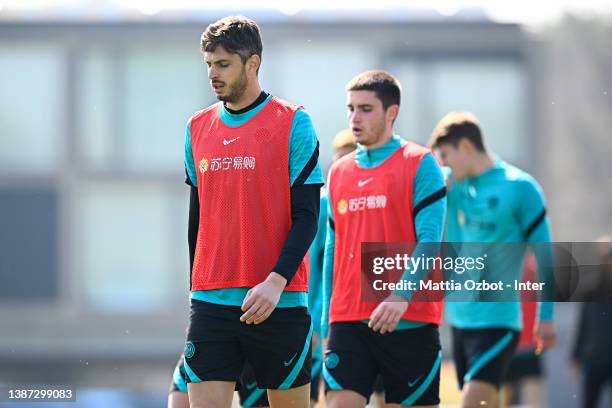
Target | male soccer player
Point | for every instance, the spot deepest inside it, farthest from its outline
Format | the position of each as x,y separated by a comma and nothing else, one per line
252,162
490,201
389,190
250,395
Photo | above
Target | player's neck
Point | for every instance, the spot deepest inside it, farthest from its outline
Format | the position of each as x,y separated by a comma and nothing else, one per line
481,163
250,95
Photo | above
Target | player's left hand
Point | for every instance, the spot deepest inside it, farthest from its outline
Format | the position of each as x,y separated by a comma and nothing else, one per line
388,313
545,337
261,300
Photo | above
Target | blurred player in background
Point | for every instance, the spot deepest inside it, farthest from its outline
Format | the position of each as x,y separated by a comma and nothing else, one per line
388,190
490,201
252,163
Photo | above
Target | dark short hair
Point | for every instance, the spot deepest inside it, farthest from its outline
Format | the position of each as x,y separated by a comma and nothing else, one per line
455,126
236,34
386,87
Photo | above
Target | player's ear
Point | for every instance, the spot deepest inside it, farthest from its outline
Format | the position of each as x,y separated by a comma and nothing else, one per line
392,112
465,145
253,63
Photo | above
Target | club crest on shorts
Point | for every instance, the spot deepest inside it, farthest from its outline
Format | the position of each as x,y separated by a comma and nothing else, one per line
203,166
189,349
332,360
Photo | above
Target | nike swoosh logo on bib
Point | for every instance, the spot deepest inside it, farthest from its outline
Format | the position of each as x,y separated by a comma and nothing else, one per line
362,183
226,142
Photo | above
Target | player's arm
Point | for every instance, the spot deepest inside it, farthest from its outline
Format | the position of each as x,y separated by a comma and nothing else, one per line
429,214
328,267
306,181
317,250
536,229
194,202
193,224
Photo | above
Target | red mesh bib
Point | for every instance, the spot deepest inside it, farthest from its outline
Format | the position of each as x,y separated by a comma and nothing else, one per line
372,205
244,193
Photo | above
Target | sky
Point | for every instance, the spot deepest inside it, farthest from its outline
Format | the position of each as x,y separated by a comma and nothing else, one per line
529,12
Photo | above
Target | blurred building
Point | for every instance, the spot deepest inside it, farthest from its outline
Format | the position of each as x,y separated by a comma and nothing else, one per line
93,209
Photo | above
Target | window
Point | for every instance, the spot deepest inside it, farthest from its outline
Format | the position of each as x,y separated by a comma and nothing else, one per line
28,244
123,246
32,109
163,87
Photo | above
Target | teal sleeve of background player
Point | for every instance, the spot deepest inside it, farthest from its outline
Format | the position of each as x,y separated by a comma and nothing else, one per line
428,182
328,270
536,225
303,143
189,164
429,222
317,251
543,252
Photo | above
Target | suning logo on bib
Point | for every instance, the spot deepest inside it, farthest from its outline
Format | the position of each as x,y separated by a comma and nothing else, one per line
362,203
227,164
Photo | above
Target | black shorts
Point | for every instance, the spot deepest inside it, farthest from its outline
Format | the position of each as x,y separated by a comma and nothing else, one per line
483,354
407,360
524,364
219,344
179,377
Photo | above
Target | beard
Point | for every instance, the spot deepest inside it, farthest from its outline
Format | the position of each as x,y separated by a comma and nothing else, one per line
236,89
374,134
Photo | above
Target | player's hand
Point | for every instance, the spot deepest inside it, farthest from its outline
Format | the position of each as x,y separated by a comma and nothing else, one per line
261,300
388,313
545,336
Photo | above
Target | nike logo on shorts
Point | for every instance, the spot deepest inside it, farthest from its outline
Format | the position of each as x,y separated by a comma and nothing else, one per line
288,363
226,142
413,383
362,183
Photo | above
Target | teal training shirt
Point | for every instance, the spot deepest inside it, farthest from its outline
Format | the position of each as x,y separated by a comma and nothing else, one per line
504,204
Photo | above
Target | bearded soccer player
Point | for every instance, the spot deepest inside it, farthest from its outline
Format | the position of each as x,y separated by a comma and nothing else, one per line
388,190
490,201
252,162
